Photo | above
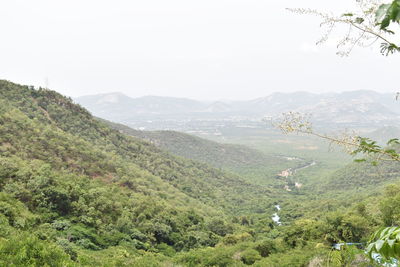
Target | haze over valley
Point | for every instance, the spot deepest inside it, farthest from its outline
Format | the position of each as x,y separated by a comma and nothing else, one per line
207,133
362,110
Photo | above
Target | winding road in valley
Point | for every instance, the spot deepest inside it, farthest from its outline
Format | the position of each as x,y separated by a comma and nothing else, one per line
290,173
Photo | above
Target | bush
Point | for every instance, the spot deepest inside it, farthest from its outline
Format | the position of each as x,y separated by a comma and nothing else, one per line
85,237
68,248
219,227
266,247
250,256
27,250
166,250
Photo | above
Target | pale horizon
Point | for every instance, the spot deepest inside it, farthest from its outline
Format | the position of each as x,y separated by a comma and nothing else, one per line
206,50
233,100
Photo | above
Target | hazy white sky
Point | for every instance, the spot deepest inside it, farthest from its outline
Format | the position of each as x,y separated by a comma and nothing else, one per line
203,49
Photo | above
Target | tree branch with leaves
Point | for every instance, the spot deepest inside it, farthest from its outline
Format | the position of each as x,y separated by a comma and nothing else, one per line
373,21
370,23
298,123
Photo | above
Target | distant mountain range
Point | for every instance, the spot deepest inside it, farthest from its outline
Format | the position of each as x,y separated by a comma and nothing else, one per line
355,108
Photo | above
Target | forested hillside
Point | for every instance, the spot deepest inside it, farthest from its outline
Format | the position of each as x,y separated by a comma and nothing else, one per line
81,184
363,175
75,192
